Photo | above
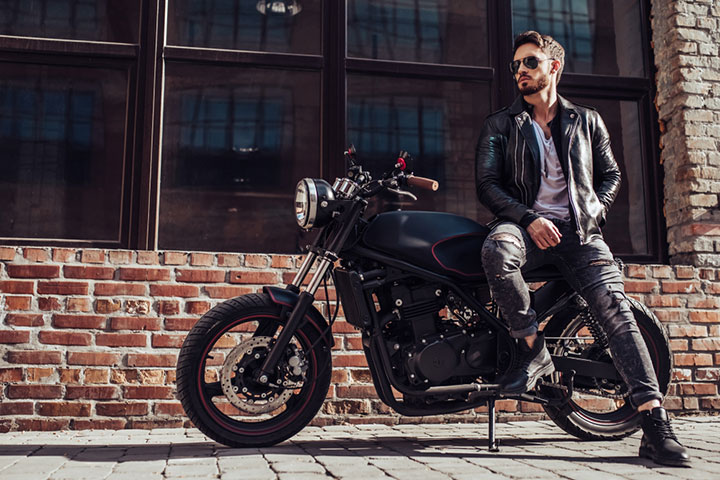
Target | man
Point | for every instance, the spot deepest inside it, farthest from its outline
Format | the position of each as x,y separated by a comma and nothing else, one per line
544,167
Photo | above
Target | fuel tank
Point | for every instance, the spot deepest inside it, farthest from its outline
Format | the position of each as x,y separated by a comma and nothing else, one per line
444,243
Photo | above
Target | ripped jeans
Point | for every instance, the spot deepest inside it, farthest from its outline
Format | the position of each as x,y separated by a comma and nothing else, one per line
592,271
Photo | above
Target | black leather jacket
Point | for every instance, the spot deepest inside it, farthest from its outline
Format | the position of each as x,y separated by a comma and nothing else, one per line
507,170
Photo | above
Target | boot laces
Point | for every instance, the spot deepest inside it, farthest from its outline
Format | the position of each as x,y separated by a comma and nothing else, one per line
664,430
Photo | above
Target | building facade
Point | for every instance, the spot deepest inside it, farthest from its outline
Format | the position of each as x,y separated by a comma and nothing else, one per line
149,151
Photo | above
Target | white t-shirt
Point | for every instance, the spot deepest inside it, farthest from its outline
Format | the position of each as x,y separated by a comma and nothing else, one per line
552,197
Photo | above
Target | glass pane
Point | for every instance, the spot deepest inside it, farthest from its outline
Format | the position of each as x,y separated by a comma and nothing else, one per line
61,151
235,143
435,121
599,36
626,228
98,20
288,26
428,31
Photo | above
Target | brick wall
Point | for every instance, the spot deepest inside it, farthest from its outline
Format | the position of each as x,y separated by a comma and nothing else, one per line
686,38
89,338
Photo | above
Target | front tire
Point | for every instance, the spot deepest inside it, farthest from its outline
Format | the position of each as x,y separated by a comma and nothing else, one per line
215,374
598,418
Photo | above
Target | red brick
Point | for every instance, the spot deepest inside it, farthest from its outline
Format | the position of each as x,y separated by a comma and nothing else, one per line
678,345
705,344
7,253
16,408
114,424
34,391
256,278
706,273
78,321
106,289
14,336
174,409
36,254
17,302
105,305
353,343
689,359
341,326
663,301
145,257
113,409
64,338
662,271
92,273
705,317
97,375
216,291
703,302
636,271
148,392
44,425
92,358
710,229
683,271
49,303
17,286
168,307
120,257
671,315
356,391
174,291
174,258
202,259
33,271
349,361
184,324
34,357
135,323
92,256
78,304
640,286
160,340
199,275
257,261
281,261
669,286
197,307
39,375
228,260
24,319
151,360
10,375
63,409
121,340
92,393
687,331
698,389
144,274
63,255
69,375
63,288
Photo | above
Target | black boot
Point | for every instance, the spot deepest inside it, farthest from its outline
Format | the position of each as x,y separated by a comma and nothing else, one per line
532,364
659,443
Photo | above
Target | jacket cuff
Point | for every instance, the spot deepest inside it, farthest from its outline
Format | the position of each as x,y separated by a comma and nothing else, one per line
528,218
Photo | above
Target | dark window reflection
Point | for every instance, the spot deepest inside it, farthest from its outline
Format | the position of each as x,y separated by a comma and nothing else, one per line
239,25
626,230
599,36
235,144
428,31
99,20
61,152
436,121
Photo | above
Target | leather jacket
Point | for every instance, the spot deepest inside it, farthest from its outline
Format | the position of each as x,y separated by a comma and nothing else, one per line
507,166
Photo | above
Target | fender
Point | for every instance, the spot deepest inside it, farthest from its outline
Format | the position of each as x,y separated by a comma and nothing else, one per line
288,298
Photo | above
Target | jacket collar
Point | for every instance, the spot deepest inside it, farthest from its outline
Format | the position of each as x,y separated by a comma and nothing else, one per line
519,105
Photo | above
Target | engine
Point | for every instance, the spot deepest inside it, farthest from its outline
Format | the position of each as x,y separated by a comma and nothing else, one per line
433,337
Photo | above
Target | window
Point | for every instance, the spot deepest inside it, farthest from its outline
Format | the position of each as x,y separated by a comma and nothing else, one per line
185,124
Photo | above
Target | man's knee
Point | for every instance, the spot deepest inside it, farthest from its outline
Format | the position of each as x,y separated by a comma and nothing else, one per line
612,308
502,253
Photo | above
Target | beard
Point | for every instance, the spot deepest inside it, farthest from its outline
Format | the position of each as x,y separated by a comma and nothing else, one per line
530,89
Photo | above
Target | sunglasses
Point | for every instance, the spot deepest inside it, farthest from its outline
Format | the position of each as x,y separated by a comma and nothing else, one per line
530,62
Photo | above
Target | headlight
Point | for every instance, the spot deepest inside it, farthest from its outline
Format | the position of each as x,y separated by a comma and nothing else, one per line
312,202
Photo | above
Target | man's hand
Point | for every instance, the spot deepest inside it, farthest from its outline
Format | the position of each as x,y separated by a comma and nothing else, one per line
544,233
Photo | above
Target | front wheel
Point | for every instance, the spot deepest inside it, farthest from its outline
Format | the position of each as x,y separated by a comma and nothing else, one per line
217,367
600,409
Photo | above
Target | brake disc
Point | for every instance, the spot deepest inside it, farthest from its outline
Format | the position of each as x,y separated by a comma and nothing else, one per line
232,374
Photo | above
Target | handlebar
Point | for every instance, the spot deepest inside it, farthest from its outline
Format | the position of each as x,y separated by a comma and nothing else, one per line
422,182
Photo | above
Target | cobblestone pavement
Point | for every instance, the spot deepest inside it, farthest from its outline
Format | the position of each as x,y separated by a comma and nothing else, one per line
528,450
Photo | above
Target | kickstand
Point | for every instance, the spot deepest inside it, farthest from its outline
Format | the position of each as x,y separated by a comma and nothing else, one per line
492,442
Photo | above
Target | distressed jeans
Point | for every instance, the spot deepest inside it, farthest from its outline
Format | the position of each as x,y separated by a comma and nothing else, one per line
592,271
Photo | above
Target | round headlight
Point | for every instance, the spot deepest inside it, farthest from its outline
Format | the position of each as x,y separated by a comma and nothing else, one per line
311,202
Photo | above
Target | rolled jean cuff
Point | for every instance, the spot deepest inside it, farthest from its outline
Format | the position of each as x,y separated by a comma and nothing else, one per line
637,399
533,328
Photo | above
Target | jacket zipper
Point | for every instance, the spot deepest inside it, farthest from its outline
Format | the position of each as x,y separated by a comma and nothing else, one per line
570,177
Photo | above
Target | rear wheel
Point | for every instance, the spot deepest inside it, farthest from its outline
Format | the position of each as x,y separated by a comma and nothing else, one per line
600,409
217,367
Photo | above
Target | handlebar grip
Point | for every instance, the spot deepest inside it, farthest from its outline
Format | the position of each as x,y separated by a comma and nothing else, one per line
422,182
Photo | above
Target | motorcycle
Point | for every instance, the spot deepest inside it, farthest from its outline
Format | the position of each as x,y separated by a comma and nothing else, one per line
256,369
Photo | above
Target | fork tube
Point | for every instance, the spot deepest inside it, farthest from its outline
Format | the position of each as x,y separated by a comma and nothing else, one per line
304,269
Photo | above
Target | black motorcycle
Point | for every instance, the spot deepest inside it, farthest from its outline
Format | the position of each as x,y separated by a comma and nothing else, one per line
256,369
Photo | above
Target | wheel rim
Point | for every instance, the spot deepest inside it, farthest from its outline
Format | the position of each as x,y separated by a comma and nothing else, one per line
208,384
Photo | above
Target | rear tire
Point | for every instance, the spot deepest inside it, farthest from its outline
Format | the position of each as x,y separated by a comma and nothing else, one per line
625,420
252,321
